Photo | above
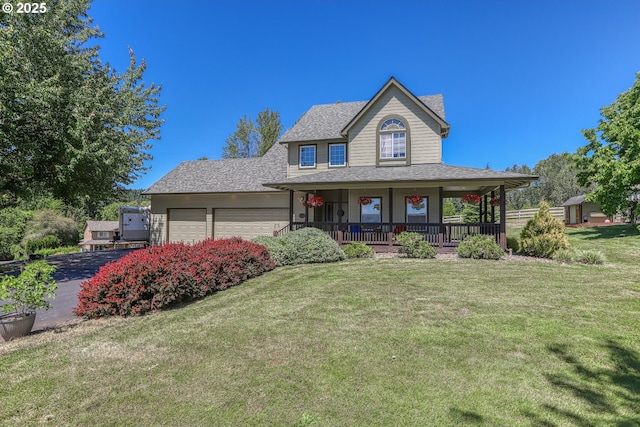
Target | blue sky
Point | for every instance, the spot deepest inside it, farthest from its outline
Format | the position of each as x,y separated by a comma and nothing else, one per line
520,79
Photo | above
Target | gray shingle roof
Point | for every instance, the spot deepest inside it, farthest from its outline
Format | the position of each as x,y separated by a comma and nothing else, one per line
102,225
421,172
224,176
575,200
326,121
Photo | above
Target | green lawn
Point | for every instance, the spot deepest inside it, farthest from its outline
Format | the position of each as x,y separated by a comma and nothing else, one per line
390,342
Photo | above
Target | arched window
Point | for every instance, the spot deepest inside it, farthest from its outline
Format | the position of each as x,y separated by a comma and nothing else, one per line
393,139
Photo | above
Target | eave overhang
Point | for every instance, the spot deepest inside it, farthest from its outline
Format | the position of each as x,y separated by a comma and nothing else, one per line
444,126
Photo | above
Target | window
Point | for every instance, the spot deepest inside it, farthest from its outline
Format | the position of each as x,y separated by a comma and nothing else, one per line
371,212
416,211
337,155
393,140
307,156
103,234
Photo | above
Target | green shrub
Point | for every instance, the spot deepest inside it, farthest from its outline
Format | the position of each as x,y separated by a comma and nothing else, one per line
358,250
50,223
479,247
48,242
587,256
60,250
413,245
13,222
590,256
277,248
565,256
513,243
543,235
304,246
424,251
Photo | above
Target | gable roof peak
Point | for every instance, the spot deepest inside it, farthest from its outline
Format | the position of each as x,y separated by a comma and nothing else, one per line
444,126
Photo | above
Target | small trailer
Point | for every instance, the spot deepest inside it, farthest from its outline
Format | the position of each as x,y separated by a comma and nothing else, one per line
133,226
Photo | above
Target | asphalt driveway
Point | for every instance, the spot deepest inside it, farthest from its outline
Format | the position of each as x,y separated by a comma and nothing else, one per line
72,270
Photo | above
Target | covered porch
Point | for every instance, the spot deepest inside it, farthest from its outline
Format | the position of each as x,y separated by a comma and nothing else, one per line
350,215
374,204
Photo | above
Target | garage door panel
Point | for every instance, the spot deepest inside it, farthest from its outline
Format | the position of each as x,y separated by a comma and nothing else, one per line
249,223
187,225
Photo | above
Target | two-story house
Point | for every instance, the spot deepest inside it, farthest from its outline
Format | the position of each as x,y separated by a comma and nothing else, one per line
362,171
98,235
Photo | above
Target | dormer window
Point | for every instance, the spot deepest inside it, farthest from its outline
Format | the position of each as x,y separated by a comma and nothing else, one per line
393,139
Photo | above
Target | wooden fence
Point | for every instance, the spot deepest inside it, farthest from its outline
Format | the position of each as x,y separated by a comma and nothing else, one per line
522,215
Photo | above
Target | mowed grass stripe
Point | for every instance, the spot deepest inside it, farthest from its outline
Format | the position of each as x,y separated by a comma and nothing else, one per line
363,342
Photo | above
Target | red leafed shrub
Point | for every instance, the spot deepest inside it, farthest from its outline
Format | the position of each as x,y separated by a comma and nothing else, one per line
152,279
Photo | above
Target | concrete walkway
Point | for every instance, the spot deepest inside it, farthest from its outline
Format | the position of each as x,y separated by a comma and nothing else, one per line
72,270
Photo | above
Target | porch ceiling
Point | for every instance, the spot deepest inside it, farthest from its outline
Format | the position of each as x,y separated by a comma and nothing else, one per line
455,180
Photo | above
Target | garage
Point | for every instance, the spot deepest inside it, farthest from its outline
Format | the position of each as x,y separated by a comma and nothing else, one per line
187,225
249,223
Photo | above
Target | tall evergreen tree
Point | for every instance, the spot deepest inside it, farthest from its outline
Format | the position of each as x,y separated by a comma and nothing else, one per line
70,125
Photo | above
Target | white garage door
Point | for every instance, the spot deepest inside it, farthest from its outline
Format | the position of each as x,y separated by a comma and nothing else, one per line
248,223
187,225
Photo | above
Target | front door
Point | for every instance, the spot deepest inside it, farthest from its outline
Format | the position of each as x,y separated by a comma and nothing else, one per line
331,212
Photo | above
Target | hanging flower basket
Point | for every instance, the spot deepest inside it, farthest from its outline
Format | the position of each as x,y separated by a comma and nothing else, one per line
472,199
495,201
364,201
313,202
416,201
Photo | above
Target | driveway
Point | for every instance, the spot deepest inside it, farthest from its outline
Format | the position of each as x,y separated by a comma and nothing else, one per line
72,270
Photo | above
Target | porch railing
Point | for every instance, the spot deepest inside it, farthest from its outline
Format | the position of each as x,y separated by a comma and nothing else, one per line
438,234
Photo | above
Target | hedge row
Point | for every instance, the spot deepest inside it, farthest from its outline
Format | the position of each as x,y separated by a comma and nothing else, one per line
151,279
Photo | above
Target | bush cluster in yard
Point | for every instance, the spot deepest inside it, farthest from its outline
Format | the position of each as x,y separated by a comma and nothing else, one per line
33,245
543,235
413,245
358,250
479,247
154,278
513,243
305,246
586,256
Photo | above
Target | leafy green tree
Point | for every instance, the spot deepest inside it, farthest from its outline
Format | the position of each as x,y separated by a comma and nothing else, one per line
521,198
50,223
611,159
70,125
558,179
13,222
268,129
253,139
241,143
471,213
111,211
448,208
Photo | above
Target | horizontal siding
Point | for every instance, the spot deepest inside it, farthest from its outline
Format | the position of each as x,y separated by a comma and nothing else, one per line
426,143
160,203
158,225
322,159
249,223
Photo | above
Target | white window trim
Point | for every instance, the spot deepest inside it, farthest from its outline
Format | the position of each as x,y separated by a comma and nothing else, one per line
391,130
345,155
314,157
